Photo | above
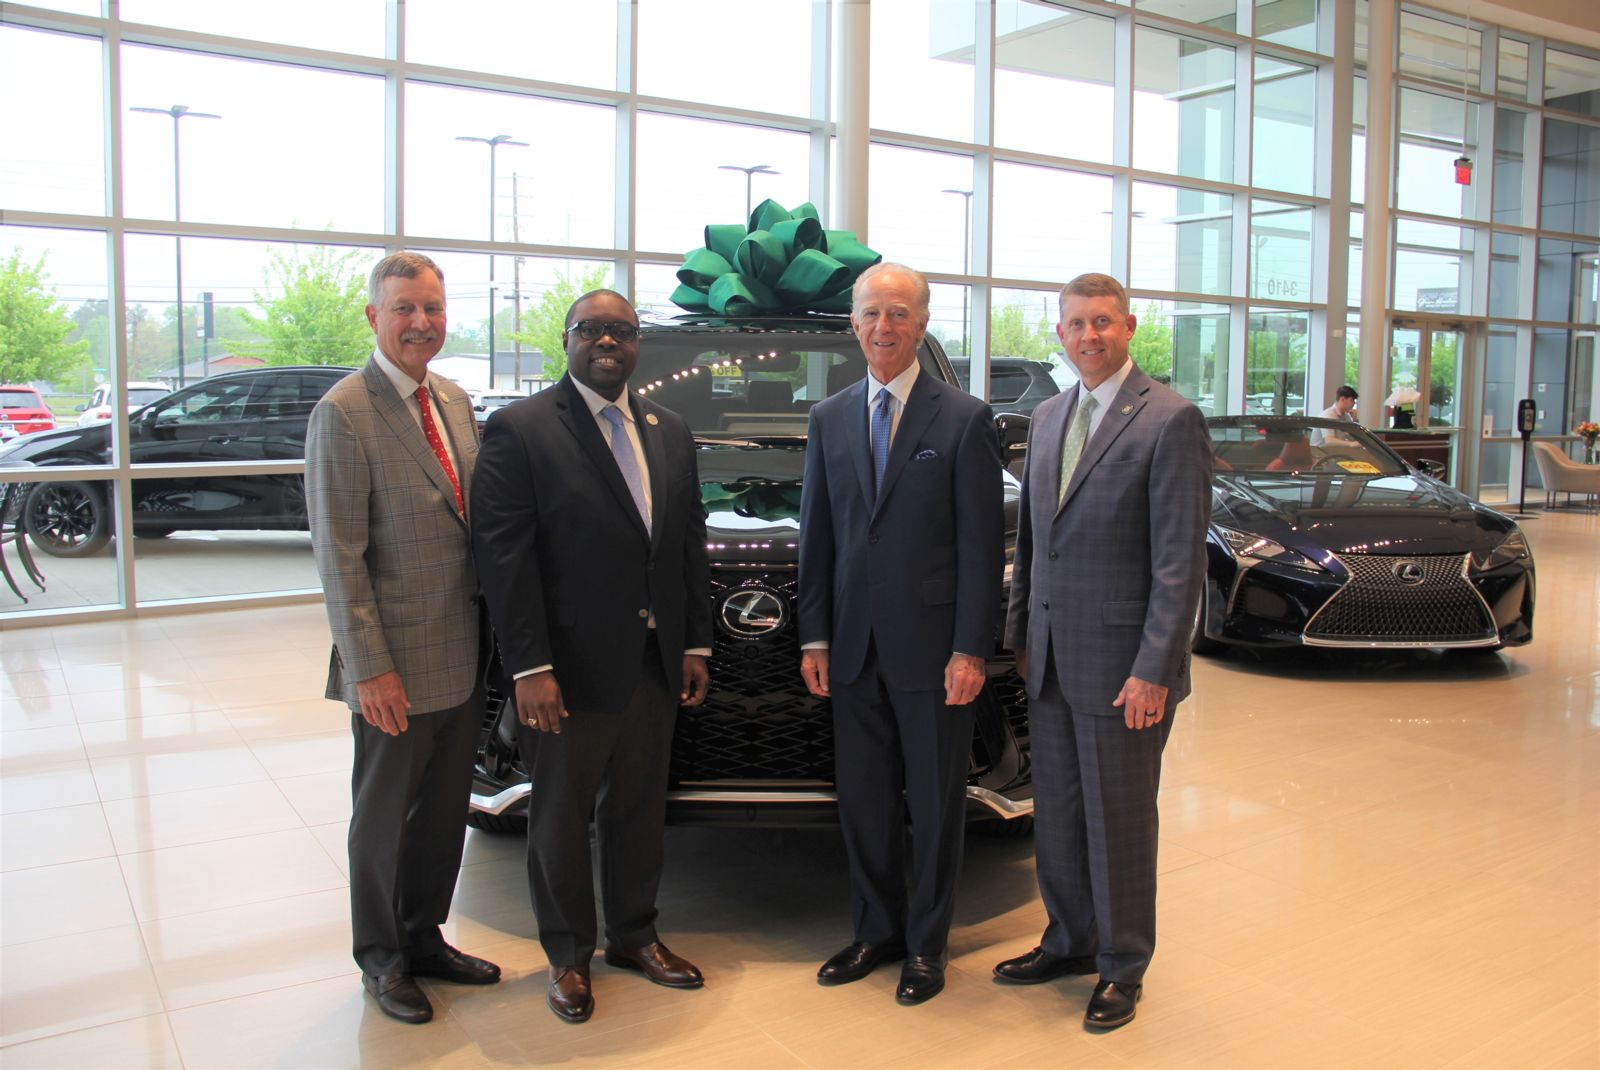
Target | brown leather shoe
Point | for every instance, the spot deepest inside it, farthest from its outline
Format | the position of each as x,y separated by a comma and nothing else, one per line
569,994
658,964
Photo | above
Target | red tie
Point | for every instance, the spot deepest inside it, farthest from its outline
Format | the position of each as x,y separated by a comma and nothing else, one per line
431,429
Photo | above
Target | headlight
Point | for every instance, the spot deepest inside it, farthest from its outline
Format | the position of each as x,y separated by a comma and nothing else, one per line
1514,548
1247,546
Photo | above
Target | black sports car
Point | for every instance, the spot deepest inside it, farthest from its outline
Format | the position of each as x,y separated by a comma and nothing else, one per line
760,748
1322,536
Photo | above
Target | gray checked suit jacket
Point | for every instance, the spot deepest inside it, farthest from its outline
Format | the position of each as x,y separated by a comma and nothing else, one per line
1110,579
394,554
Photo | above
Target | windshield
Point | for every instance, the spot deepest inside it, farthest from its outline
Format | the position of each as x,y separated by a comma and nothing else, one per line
19,399
145,395
1298,445
743,384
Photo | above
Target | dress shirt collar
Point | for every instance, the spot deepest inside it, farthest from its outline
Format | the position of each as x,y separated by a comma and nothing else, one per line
596,402
900,386
1106,392
404,385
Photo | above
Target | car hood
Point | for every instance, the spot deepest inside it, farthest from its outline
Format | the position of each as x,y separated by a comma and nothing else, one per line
75,443
1399,514
752,495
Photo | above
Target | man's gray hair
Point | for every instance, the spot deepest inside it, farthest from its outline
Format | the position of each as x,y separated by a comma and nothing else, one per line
884,266
402,265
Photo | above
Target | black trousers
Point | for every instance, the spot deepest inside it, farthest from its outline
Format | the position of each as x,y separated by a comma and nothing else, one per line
407,825
1095,830
899,752
613,766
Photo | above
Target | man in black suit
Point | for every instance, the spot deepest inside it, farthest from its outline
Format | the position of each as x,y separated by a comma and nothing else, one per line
901,551
590,541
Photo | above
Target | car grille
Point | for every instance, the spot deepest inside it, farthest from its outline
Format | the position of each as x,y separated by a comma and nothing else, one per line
758,722
1376,607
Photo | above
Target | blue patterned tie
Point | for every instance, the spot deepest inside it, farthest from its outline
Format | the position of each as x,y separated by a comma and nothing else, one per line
882,419
622,450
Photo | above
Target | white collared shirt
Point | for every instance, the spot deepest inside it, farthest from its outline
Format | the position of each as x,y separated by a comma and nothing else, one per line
1104,395
406,387
596,405
899,388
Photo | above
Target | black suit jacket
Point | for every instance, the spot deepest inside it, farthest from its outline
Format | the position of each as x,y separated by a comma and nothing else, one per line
917,568
567,568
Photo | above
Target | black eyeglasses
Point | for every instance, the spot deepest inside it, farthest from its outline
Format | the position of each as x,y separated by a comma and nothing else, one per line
594,330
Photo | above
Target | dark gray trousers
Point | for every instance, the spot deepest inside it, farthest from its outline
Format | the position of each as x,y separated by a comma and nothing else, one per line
408,822
613,766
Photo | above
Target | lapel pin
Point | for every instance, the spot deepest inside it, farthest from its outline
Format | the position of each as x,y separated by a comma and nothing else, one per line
650,418
1126,409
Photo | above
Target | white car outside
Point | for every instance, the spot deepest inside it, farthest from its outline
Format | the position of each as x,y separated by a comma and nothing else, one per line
140,394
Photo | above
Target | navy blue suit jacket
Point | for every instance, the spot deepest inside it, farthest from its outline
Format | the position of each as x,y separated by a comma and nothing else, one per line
917,569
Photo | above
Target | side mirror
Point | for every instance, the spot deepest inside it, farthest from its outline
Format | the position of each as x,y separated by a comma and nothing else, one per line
81,408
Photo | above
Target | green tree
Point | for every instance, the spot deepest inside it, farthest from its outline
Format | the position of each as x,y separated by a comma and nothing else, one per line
319,313
34,327
544,326
1010,335
1151,344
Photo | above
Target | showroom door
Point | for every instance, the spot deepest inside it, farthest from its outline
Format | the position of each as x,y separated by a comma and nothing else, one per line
1424,373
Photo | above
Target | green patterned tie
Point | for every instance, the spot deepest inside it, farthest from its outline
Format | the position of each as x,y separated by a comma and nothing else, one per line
1072,445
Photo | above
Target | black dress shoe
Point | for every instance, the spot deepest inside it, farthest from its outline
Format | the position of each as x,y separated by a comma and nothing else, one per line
451,965
921,978
1038,966
858,960
1112,1004
658,964
569,994
399,997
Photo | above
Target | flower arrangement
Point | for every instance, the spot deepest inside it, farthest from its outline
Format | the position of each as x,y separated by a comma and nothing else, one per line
1589,431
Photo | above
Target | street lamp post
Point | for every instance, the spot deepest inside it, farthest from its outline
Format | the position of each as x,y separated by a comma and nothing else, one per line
966,253
178,112
493,143
749,174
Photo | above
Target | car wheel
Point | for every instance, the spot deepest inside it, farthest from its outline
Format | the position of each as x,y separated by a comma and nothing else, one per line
67,519
1199,642
498,824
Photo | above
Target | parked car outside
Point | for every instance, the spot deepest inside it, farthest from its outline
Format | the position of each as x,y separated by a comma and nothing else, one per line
760,748
1321,535
486,401
22,412
255,415
1016,384
139,394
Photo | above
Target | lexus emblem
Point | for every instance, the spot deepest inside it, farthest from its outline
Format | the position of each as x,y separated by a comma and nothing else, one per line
1408,573
752,612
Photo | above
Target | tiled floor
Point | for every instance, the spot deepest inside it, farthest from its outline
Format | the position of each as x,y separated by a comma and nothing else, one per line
1378,861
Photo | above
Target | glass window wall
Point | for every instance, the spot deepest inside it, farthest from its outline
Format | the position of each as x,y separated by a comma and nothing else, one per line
1182,105
574,42
1050,224
1182,240
1275,368
54,155
1055,71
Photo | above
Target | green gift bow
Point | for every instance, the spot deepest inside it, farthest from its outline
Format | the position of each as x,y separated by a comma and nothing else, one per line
782,262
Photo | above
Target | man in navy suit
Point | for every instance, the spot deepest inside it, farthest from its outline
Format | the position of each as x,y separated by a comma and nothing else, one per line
591,545
901,552
1107,576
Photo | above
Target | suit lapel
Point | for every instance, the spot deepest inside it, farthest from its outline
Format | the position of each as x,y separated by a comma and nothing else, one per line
1122,411
391,407
921,409
1044,457
580,421
855,408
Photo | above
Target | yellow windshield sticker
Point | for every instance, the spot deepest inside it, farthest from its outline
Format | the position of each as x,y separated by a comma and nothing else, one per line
1360,468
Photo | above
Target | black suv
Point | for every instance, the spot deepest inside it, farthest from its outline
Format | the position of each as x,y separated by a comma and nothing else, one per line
1016,384
254,415
760,748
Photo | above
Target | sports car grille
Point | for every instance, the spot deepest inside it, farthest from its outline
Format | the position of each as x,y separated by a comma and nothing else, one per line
1376,606
758,721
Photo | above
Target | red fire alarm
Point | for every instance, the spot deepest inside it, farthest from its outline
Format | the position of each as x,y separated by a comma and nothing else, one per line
1463,170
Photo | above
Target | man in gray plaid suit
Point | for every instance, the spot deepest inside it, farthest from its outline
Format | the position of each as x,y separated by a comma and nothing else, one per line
1109,565
389,459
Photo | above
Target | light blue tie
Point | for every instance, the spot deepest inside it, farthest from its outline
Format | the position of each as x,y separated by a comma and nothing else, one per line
882,420
622,450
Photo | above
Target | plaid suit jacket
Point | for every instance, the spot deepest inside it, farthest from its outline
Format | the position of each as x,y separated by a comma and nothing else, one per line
394,554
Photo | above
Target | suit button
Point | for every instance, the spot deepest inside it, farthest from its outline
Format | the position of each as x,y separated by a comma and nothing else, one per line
1045,604
1054,555
644,614
872,538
